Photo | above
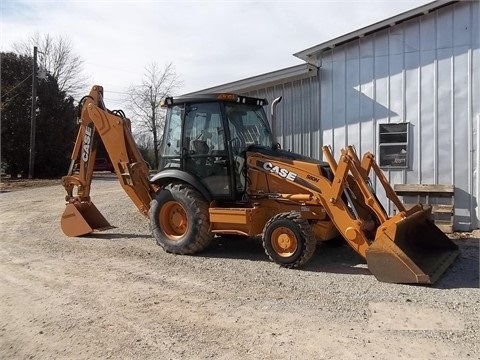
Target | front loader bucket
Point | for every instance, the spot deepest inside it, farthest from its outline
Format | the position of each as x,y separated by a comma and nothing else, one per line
83,218
412,250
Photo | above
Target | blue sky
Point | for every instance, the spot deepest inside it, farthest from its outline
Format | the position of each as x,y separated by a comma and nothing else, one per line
209,42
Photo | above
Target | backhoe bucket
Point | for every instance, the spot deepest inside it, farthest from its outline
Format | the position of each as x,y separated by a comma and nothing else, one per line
412,250
83,218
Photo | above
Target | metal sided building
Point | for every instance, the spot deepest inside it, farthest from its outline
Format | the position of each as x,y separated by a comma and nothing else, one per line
407,89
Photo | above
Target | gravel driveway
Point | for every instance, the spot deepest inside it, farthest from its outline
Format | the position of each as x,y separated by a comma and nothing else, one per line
118,295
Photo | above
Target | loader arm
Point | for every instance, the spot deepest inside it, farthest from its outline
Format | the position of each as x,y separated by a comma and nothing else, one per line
404,248
305,178
408,247
114,130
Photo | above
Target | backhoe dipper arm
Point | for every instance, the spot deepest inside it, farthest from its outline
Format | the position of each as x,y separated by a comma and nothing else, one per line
84,151
115,132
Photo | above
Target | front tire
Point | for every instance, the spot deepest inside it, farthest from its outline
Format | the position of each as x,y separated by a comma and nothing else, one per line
179,220
288,240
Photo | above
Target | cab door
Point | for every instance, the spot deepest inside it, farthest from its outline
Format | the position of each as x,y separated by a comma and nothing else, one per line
205,148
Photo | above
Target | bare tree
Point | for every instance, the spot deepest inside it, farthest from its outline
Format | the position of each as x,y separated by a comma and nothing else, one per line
56,55
144,101
144,144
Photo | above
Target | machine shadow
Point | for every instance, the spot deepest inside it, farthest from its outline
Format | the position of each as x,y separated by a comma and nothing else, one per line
465,271
337,257
331,257
235,247
115,236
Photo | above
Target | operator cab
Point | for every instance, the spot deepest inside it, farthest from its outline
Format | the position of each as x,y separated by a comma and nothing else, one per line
207,136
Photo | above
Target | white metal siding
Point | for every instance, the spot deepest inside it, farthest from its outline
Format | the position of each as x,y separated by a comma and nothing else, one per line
298,127
425,71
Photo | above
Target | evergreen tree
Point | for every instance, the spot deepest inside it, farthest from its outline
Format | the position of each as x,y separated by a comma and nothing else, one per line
56,130
55,120
16,95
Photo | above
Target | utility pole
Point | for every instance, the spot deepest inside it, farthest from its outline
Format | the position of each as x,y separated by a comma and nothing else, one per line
31,163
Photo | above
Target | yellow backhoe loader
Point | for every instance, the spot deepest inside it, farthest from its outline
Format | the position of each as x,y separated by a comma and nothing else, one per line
221,173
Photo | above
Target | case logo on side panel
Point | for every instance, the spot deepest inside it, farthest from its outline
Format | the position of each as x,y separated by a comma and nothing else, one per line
284,173
87,143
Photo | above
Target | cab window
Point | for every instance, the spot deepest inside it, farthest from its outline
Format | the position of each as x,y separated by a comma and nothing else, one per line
173,132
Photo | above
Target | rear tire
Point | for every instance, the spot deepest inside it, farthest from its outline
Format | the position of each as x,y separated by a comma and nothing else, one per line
179,220
288,240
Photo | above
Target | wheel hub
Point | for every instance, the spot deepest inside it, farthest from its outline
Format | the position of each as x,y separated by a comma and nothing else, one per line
177,220
284,241
173,220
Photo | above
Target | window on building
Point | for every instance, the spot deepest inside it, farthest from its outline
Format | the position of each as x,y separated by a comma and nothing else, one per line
393,145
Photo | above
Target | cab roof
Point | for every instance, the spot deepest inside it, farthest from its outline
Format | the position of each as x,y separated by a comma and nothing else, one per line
213,97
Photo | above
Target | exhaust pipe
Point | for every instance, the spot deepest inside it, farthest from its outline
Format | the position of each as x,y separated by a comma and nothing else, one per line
273,117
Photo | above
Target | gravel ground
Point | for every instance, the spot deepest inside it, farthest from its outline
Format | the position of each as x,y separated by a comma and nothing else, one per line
116,294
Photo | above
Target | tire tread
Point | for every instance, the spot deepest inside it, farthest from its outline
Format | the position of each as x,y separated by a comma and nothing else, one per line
306,232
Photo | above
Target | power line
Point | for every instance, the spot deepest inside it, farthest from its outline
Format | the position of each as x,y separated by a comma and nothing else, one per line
20,83
116,92
112,68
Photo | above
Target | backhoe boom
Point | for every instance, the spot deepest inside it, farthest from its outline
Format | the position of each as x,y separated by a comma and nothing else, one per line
114,130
